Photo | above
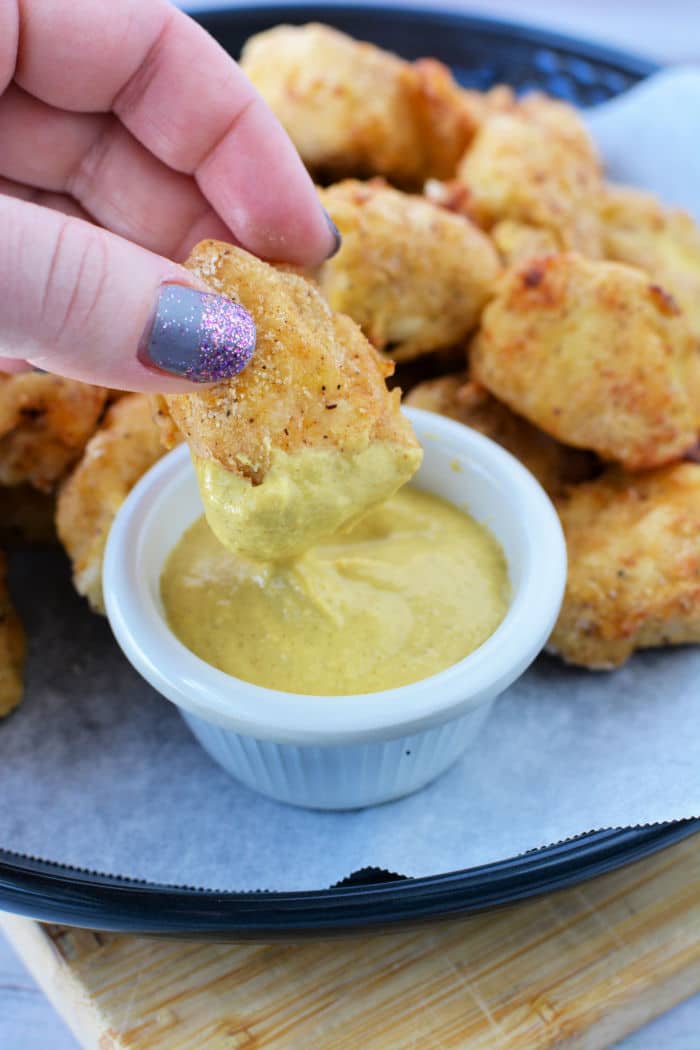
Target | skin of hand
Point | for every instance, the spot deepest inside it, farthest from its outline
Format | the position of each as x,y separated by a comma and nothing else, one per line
126,136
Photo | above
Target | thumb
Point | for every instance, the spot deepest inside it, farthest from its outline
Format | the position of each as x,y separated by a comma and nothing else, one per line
84,303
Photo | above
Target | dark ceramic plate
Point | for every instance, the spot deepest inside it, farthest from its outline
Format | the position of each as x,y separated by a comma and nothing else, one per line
481,53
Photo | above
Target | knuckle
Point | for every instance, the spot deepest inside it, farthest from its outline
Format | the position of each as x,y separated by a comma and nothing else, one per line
74,280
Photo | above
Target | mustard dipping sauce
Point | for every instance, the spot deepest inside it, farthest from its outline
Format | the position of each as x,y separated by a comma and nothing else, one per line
412,588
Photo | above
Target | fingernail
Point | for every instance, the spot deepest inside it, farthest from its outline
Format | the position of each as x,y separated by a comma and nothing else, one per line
197,335
337,239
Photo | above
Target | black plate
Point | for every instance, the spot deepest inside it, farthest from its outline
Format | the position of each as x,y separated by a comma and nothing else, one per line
481,53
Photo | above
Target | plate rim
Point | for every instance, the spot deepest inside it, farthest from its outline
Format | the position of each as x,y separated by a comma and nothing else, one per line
630,62
54,892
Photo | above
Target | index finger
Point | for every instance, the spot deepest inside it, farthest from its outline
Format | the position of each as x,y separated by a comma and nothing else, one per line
183,97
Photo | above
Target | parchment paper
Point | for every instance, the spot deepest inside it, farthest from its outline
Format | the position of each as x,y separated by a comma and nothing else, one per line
99,772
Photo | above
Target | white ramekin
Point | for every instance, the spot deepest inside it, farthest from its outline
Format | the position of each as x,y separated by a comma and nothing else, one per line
342,752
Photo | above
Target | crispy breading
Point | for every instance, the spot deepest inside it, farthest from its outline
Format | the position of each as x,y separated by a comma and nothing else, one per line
633,545
352,109
26,516
12,648
516,242
413,276
595,355
536,164
315,386
45,422
664,242
126,444
314,380
554,465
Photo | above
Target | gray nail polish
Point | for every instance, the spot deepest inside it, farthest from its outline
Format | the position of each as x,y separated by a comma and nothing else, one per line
336,235
197,335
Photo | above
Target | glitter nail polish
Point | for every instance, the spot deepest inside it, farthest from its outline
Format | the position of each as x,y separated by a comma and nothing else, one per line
197,335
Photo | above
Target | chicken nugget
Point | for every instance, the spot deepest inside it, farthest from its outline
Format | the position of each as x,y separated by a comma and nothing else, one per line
45,422
595,355
536,164
352,109
665,243
633,545
554,465
126,444
516,242
307,437
12,648
413,276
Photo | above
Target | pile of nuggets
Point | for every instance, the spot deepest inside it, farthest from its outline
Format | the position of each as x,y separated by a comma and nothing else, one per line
484,258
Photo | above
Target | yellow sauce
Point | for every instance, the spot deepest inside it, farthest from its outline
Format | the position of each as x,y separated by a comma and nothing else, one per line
411,589
304,497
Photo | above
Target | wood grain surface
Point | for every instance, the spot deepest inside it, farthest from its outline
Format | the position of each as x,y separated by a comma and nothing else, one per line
579,968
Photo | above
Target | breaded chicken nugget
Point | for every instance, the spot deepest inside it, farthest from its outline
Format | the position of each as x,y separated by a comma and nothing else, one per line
12,649
412,275
593,354
45,422
633,544
353,109
308,436
536,164
126,444
554,465
516,242
637,229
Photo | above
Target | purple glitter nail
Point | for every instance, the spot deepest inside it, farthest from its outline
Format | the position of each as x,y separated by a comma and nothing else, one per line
197,335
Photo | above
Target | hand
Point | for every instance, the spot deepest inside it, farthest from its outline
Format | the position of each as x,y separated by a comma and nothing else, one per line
128,115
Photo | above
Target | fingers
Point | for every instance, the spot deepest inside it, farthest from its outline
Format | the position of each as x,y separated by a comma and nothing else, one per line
11,365
55,201
95,159
115,179
82,302
187,102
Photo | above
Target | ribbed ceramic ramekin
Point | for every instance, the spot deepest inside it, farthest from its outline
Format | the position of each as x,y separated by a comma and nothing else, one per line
343,752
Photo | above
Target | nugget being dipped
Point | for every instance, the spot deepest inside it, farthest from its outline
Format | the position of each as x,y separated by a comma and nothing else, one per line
594,354
352,109
554,465
413,276
126,444
633,545
308,437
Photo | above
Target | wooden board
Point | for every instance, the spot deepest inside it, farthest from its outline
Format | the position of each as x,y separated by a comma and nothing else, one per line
580,968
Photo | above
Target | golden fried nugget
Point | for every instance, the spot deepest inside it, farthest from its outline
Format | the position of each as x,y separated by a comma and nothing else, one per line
353,109
126,444
633,545
554,465
593,354
45,422
665,243
516,242
307,437
27,516
12,649
536,164
412,275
